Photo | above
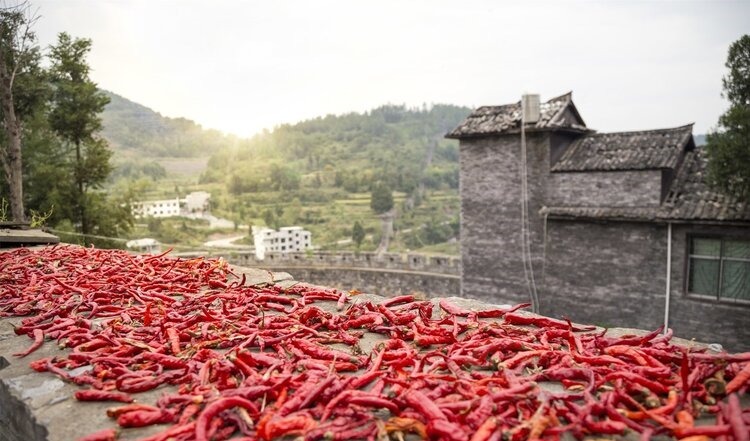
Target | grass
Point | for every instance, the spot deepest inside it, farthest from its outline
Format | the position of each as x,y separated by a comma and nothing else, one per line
449,248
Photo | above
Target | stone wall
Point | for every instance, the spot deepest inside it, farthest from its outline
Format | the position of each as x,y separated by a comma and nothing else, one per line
491,241
386,274
608,274
387,261
386,283
614,274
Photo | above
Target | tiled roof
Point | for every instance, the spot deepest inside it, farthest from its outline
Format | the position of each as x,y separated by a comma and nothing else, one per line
690,199
492,120
650,149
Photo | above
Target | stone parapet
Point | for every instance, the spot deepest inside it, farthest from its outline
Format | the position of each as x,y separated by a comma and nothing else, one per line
448,265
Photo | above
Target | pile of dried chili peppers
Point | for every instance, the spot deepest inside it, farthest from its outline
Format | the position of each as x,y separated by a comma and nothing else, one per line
256,362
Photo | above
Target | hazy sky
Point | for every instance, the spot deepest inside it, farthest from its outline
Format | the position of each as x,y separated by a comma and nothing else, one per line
240,66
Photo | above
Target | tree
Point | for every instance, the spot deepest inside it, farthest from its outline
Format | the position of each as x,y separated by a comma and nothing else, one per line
18,53
75,118
381,198
381,202
358,234
728,148
269,218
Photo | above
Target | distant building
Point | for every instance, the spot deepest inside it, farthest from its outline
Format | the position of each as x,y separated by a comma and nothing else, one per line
286,240
145,245
160,208
196,202
622,228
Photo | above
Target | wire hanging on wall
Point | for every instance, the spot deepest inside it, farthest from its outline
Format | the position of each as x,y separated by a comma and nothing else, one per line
528,266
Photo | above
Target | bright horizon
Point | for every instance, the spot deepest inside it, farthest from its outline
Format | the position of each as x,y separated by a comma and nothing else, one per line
241,67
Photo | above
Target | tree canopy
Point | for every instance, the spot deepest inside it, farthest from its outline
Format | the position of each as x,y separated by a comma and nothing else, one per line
381,200
19,55
75,117
57,121
350,152
358,234
729,147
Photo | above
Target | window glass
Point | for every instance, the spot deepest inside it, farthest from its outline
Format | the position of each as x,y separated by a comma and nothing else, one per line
736,280
704,276
706,247
737,248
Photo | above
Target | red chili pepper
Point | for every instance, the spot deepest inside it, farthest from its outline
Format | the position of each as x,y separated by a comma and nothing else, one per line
174,340
373,401
341,301
101,435
734,417
38,341
147,320
445,430
214,408
100,395
607,427
141,418
739,380
323,353
481,414
428,340
710,431
423,405
542,322
135,385
114,412
486,430
287,426
635,378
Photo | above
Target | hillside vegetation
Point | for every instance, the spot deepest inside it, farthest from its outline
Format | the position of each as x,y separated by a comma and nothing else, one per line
148,144
134,129
319,174
316,173
391,144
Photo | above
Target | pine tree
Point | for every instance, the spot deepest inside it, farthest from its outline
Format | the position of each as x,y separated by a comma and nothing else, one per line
75,118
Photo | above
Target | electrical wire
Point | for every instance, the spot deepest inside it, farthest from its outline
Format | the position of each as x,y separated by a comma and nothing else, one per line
528,266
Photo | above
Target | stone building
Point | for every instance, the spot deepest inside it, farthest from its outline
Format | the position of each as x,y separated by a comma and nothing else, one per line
622,229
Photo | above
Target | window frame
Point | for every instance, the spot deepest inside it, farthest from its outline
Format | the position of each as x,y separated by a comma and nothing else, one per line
720,258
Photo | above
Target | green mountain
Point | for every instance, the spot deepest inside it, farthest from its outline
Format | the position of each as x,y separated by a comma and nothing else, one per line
317,173
396,145
135,131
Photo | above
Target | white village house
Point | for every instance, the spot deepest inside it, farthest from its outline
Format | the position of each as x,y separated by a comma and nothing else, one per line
194,202
286,240
145,245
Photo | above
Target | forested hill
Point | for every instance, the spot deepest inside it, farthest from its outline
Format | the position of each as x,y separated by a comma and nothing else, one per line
134,130
392,144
